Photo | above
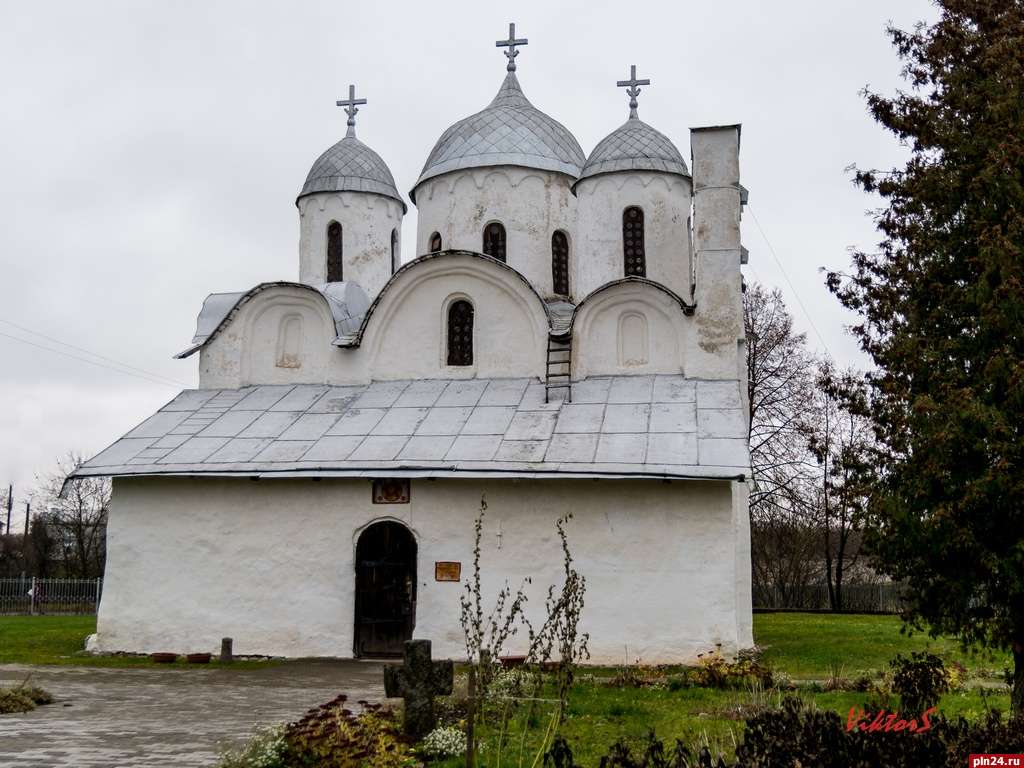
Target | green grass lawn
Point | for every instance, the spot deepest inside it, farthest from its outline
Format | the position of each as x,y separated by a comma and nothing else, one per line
61,640
599,715
810,645
805,646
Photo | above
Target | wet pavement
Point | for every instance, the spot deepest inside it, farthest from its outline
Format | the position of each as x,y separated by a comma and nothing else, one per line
175,718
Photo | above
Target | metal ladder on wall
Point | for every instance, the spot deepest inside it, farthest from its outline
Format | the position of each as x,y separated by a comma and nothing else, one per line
559,370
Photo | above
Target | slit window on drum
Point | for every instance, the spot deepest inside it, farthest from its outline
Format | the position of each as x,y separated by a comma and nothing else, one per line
633,242
334,253
494,241
560,263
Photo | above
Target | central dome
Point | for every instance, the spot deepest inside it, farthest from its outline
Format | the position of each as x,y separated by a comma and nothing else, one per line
510,131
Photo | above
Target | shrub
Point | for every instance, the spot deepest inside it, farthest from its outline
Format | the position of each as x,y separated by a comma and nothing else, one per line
644,676
38,695
920,680
801,735
13,701
22,698
331,736
837,680
452,710
652,753
508,683
443,742
266,749
797,734
956,675
716,672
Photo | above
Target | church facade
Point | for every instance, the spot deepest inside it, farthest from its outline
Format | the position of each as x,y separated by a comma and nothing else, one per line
564,336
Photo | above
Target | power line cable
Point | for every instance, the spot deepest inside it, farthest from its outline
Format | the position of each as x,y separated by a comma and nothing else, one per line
91,362
94,354
789,282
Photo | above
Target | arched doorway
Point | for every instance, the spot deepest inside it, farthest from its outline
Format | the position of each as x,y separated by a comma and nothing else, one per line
385,589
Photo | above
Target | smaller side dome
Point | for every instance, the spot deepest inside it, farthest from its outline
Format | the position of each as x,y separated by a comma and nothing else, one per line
634,146
351,166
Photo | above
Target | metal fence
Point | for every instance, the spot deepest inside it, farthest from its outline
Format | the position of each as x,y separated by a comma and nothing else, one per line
33,596
857,598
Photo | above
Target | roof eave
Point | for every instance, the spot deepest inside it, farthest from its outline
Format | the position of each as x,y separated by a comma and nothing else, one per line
727,474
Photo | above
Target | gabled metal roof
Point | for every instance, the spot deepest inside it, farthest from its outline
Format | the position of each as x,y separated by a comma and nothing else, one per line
634,146
347,301
510,131
618,426
351,166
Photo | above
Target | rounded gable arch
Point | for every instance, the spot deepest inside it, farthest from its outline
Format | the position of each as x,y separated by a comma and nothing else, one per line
286,337
402,339
629,326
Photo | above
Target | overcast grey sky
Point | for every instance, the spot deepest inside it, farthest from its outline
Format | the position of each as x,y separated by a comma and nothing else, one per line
150,154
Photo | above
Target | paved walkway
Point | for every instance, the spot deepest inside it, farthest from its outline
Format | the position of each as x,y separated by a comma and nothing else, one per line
155,718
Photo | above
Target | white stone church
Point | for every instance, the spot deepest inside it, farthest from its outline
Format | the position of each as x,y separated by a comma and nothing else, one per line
564,336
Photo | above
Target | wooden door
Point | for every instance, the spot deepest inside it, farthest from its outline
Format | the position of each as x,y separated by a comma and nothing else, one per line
385,589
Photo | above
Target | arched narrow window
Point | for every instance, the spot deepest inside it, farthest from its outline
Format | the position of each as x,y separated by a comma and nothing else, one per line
435,242
633,241
394,251
460,333
494,240
560,263
334,273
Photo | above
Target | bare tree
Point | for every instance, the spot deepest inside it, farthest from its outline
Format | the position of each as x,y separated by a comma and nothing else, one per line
75,513
780,384
841,440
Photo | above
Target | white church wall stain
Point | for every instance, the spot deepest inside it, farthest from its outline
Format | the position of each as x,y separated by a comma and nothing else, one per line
716,232
631,328
665,200
367,221
289,342
531,204
169,538
406,335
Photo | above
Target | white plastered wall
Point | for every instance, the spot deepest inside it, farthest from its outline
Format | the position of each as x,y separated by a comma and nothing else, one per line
531,204
406,338
665,201
271,563
716,237
627,329
367,221
281,335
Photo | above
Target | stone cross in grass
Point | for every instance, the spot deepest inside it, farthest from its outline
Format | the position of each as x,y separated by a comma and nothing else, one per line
418,681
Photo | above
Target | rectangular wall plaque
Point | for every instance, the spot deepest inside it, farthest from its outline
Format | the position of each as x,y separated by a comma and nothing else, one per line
447,571
391,491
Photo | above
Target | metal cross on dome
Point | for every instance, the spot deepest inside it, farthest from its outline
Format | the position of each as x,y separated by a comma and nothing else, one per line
511,44
632,89
351,109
